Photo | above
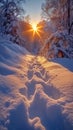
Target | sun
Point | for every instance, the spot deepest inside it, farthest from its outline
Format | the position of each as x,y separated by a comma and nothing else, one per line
35,30
34,27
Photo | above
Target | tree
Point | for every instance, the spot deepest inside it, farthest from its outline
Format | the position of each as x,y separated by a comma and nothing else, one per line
10,11
70,16
59,43
60,12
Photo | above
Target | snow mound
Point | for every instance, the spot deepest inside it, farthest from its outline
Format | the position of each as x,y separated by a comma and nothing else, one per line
10,52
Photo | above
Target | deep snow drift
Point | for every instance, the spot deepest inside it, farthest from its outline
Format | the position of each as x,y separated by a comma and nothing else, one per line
35,94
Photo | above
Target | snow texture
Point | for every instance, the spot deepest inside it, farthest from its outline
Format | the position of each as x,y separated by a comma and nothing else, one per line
35,94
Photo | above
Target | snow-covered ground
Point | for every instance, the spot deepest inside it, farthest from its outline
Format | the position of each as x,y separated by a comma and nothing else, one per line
35,94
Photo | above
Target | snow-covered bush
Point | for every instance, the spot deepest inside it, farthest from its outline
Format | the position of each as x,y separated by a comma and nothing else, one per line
59,44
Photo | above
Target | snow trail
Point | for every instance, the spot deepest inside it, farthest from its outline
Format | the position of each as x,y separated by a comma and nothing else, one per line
38,75
35,94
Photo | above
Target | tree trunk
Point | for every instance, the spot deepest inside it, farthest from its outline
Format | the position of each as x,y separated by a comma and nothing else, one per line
68,3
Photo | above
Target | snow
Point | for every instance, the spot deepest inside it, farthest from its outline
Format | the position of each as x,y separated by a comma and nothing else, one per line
35,94
59,44
67,63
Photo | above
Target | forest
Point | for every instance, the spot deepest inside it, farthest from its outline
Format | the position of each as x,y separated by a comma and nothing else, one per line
36,65
55,28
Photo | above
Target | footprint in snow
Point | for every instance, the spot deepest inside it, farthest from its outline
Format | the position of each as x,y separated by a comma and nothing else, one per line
30,74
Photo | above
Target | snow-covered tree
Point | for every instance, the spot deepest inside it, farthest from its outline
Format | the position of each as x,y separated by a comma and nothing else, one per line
60,12
58,45
10,11
60,42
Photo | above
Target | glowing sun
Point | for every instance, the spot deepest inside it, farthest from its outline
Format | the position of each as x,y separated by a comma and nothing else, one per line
34,27
36,30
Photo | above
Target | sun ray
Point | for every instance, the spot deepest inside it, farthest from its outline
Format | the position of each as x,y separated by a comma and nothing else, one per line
35,30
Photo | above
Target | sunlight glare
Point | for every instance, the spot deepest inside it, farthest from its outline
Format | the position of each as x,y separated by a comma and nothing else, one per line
35,29
34,26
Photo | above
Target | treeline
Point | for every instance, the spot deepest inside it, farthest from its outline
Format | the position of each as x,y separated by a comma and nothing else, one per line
12,21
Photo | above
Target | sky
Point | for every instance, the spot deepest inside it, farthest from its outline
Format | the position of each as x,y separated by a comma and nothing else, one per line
33,8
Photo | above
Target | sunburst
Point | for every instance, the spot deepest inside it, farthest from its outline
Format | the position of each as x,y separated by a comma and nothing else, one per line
35,29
